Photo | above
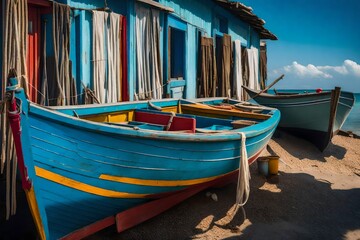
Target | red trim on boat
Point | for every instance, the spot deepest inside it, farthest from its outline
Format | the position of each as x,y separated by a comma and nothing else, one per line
139,214
90,229
136,215
14,119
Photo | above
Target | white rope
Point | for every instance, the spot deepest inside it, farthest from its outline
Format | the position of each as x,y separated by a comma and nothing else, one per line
50,99
243,183
137,98
243,186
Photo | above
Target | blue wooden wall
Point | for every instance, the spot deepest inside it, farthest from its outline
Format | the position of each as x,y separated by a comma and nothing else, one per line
131,20
197,15
204,15
81,37
200,15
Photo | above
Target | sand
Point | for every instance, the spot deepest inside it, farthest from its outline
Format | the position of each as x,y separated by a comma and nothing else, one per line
315,196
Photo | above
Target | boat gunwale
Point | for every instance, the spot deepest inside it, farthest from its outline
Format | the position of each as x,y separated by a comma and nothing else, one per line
292,96
62,118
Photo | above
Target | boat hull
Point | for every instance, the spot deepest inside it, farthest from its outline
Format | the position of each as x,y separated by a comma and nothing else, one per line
82,172
316,117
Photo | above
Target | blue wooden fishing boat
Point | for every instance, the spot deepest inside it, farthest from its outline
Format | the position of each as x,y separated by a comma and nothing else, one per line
316,116
87,167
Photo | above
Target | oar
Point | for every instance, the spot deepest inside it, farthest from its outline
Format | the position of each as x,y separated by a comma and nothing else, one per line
268,87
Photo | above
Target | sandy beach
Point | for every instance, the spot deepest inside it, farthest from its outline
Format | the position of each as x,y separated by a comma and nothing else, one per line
315,196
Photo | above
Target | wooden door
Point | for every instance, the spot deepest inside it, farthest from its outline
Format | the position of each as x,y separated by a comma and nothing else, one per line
33,52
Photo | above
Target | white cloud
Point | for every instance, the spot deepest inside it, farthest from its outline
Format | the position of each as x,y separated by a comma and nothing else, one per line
352,67
298,76
348,67
338,69
306,71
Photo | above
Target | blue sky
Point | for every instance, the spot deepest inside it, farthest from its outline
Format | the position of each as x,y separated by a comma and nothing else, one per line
319,42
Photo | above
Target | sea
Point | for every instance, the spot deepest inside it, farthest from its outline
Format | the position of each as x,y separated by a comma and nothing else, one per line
352,123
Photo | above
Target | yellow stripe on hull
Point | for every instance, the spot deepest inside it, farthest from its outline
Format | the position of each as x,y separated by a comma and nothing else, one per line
43,173
157,183
114,194
31,198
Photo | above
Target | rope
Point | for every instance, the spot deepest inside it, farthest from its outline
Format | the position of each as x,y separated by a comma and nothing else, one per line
61,38
170,121
243,184
44,86
15,26
148,92
50,99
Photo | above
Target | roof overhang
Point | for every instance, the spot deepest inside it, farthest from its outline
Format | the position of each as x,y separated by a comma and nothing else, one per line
156,5
245,13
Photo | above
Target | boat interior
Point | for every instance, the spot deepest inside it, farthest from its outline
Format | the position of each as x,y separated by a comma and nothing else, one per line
188,117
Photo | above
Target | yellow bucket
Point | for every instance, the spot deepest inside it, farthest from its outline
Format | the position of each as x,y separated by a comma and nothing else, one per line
273,164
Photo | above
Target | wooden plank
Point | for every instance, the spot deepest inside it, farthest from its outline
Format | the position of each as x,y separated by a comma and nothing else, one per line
156,5
90,229
42,3
335,97
122,116
134,216
33,56
210,111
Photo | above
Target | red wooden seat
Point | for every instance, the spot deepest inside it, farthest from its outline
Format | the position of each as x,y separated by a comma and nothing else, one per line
177,124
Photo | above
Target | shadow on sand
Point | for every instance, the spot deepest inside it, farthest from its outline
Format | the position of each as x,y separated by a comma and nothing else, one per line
300,208
307,149
304,208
